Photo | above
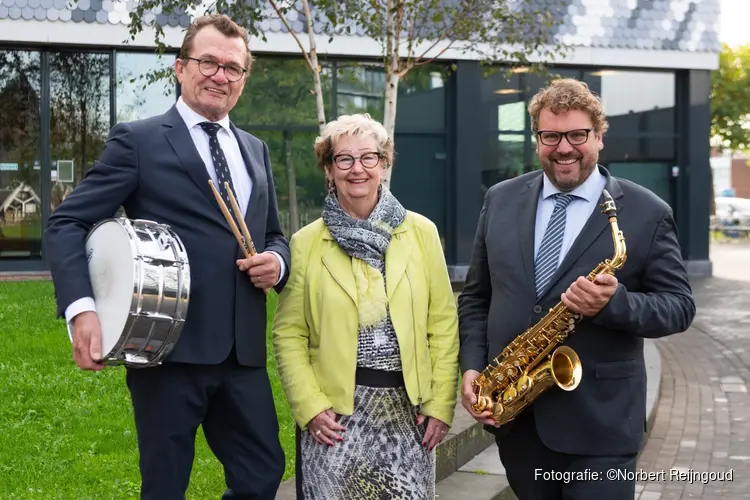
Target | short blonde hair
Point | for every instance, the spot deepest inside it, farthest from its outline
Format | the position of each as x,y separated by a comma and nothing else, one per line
564,95
360,124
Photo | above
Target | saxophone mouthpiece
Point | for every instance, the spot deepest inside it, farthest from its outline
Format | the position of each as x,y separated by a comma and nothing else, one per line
608,207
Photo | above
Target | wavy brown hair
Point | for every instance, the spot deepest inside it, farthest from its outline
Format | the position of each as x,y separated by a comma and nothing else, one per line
225,26
564,95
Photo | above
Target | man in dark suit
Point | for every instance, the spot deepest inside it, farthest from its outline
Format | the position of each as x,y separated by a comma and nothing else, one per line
538,236
158,169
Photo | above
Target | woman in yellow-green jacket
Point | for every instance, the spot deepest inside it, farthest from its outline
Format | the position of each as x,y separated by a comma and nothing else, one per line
366,331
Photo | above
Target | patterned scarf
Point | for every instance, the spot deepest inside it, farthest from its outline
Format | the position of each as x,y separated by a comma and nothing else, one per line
366,241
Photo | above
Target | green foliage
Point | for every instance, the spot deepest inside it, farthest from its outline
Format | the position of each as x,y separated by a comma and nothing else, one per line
730,99
493,31
65,433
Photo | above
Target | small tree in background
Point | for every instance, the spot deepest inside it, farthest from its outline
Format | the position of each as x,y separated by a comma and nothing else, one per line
730,104
416,32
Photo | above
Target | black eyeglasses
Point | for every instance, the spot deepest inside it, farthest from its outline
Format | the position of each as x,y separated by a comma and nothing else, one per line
368,160
574,137
208,67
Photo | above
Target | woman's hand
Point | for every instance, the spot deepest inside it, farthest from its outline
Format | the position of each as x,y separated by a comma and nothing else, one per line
436,431
323,428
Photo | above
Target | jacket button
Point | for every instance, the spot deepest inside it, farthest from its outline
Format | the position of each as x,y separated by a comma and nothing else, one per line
537,309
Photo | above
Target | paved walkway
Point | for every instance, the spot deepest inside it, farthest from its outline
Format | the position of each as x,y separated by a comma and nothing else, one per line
702,422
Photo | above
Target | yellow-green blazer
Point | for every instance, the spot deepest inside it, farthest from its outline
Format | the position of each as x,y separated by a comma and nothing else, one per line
316,323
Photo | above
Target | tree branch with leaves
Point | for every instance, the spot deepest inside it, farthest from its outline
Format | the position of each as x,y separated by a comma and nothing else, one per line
730,100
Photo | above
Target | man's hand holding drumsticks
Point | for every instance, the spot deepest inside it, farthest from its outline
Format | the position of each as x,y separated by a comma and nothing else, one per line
263,269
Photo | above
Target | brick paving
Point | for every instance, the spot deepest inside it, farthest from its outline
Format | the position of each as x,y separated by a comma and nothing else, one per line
702,422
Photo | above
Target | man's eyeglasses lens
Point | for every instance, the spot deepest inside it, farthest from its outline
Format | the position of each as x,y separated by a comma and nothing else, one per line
574,137
208,67
368,160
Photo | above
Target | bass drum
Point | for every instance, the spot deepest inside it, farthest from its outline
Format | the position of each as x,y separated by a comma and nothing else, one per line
140,276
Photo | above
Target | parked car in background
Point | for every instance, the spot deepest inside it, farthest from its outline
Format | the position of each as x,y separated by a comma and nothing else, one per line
732,212
732,217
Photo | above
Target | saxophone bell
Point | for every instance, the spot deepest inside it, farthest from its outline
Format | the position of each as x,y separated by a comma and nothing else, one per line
562,369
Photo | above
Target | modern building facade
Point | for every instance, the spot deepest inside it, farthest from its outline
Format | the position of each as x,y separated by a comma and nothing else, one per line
66,77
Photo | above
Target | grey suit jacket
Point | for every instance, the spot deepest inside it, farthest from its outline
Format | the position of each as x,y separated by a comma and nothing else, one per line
605,415
152,168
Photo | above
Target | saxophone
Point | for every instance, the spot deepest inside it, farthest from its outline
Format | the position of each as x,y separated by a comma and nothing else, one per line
533,362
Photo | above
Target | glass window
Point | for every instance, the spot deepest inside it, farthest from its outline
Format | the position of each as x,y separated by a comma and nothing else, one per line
79,116
624,148
651,175
278,106
300,185
420,104
421,99
136,98
502,158
502,101
361,89
649,110
20,193
280,92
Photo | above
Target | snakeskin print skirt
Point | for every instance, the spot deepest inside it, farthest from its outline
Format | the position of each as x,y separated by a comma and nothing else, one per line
381,457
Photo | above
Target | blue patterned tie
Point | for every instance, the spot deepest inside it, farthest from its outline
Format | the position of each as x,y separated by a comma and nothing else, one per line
220,162
549,252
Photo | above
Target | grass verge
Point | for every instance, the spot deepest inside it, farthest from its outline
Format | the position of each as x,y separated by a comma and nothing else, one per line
69,434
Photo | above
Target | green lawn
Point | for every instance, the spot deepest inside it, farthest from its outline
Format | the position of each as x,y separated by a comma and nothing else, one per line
69,434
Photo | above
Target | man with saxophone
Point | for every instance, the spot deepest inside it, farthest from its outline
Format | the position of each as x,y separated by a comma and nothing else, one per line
565,222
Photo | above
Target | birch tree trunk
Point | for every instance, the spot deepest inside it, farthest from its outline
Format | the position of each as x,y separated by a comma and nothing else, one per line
315,68
392,77
391,96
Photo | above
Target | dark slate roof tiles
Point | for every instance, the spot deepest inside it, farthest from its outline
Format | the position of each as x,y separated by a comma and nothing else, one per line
685,25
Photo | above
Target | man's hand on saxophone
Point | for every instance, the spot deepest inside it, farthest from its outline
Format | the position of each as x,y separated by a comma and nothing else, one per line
468,398
587,298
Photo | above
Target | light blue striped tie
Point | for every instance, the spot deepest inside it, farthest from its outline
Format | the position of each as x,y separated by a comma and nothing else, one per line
549,252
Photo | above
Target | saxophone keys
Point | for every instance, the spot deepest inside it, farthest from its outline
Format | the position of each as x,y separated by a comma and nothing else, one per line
509,394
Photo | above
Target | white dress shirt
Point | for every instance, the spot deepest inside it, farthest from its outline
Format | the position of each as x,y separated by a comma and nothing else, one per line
577,213
228,142
241,182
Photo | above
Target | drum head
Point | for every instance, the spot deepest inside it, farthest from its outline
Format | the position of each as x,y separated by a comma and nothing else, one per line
111,265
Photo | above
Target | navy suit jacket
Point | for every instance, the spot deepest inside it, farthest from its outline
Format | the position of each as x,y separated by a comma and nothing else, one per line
152,168
605,414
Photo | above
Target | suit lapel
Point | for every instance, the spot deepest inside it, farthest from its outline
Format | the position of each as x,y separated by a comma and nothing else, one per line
179,138
527,207
251,167
396,259
593,228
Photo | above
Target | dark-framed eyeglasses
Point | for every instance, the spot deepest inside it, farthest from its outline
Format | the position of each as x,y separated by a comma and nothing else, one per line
368,160
574,137
209,67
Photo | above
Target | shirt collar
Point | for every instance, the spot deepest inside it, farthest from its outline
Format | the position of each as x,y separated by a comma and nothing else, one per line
589,190
192,119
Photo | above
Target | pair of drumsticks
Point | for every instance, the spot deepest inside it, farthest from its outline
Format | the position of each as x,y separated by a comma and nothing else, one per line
242,233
